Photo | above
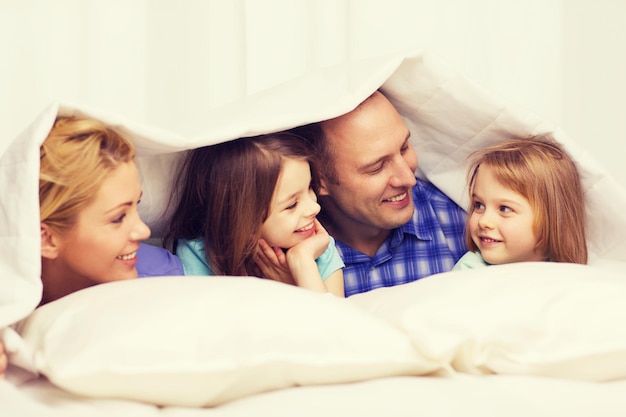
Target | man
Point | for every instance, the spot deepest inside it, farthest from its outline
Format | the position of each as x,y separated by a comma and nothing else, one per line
390,227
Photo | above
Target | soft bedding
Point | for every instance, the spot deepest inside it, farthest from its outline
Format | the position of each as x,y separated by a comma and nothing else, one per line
521,339
208,341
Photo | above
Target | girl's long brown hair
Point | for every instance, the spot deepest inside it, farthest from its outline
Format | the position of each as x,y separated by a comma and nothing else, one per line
223,195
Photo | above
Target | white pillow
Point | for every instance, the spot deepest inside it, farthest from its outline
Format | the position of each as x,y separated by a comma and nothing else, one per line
548,319
201,341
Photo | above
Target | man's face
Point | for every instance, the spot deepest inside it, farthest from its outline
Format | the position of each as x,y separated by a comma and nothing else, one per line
374,165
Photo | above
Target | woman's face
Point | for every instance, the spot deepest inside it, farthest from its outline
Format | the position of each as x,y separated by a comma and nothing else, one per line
102,245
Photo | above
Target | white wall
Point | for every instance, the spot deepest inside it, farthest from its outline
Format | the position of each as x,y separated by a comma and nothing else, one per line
165,62
594,79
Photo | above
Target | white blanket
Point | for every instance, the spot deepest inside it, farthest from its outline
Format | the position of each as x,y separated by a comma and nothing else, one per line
530,321
447,114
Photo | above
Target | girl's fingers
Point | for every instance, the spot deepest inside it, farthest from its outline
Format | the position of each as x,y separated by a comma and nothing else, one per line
319,228
280,256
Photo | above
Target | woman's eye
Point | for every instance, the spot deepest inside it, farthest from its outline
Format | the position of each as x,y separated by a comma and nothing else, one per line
119,219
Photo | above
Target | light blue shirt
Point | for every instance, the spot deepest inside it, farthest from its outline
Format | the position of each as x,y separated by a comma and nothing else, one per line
471,260
191,254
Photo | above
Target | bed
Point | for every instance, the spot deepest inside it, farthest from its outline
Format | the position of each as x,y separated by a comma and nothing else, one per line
522,339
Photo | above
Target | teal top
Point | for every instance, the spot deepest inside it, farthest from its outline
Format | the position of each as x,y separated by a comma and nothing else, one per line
471,260
191,254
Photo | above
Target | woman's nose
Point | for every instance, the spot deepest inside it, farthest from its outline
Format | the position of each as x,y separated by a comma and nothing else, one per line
141,231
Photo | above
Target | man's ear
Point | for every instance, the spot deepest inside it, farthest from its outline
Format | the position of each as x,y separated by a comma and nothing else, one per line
322,189
49,244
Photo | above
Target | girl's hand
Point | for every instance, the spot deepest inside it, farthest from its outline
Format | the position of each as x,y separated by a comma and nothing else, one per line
273,263
301,259
312,247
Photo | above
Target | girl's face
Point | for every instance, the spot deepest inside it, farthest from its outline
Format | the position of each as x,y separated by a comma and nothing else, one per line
501,224
293,208
102,245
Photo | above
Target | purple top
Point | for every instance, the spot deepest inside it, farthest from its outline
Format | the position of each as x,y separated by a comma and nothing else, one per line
154,261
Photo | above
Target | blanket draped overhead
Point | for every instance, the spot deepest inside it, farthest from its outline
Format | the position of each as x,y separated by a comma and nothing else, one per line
447,114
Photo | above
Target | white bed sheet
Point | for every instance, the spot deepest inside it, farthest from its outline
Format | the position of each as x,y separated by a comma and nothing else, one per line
469,395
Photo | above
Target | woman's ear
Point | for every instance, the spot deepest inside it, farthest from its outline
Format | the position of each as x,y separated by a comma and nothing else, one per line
49,246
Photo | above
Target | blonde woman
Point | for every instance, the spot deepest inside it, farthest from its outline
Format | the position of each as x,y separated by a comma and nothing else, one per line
91,231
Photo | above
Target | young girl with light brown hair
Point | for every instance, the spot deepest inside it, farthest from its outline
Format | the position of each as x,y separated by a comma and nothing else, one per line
526,204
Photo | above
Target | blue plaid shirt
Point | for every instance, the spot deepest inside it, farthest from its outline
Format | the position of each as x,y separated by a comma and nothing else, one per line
431,242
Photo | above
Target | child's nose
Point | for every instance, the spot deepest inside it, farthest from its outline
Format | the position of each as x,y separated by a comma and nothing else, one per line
485,220
312,208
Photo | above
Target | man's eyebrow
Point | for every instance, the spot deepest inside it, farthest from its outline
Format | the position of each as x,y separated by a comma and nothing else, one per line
370,165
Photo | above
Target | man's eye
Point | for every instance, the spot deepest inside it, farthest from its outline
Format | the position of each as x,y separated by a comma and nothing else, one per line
376,170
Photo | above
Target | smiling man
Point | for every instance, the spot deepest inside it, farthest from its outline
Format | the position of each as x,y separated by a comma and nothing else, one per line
390,227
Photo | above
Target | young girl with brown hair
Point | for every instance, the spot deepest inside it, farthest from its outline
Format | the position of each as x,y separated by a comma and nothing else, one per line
247,207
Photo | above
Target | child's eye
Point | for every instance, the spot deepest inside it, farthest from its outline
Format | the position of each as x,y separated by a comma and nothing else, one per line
292,206
506,210
478,206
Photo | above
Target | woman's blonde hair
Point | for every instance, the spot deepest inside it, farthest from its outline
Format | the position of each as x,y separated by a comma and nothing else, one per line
540,170
75,159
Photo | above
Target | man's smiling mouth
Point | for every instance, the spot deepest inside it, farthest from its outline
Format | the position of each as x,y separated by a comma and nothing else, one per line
399,197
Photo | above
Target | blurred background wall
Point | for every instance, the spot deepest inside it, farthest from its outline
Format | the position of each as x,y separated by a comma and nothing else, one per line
165,62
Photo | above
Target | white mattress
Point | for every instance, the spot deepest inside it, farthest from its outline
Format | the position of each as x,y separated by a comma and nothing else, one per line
496,395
